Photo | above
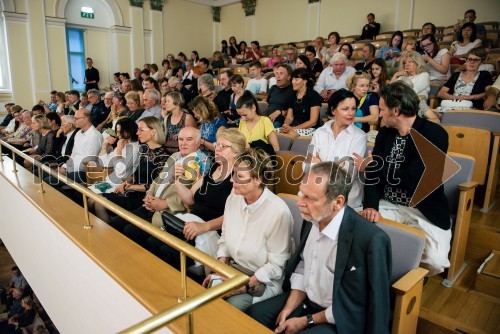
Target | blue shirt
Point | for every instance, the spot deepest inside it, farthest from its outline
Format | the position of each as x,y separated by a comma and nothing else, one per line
385,48
209,130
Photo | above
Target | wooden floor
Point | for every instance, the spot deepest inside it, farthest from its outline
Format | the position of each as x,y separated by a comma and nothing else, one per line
461,309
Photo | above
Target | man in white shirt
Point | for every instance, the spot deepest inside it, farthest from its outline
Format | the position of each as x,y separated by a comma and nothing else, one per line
338,281
151,100
333,77
88,142
256,85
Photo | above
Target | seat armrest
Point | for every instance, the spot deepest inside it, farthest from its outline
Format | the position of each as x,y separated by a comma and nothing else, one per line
467,185
409,280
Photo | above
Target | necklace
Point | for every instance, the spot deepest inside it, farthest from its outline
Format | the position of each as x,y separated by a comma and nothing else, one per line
299,101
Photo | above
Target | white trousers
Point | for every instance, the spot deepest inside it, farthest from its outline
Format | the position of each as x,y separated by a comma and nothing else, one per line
438,241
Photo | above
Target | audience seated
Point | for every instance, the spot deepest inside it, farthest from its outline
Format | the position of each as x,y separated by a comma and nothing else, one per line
347,50
367,109
207,197
275,57
23,319
414,68
428,28
175,119
256,232
121,152
98,112
17,280
333,40
133,111
117,111
161,195
175,84
280,94
152,101
223,98
258,130
6,120
84,101
492,100
409,44
438,61
334,76
52,105
291,56
66,135
466,41
206,86
234,48
46,145
469,86
393,50
258,84
338,139
368,57
396,150
217,62
303,113
129,194
88,142
72,102
315,65
205,111
371,29
379,76
470,17
237,83
338,280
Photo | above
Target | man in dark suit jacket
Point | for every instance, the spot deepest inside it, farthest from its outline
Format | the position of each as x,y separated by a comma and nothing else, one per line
74,103
91,76
397,166
338,281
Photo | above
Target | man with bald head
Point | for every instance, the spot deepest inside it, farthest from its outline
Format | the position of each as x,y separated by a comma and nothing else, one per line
162,195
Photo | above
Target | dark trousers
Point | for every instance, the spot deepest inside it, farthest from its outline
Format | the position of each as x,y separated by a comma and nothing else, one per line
266,312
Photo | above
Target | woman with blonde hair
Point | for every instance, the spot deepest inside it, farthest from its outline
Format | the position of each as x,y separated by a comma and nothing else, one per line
46,145
368,109
414,68
206,112
134,106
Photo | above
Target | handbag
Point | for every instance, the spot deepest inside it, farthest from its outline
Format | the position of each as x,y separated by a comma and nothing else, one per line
254,291
174,226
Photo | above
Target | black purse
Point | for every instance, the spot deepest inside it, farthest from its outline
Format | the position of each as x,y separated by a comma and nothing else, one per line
174,226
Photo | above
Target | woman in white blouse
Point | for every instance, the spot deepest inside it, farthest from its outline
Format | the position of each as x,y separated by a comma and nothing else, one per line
256,232
339,139
467,40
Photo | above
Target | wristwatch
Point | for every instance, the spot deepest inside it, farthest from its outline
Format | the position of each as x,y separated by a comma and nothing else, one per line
310,321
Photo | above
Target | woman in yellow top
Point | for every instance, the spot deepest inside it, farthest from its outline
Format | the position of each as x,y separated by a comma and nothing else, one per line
254,126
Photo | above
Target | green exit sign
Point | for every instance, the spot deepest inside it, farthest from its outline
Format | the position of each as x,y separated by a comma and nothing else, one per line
87,15
87,12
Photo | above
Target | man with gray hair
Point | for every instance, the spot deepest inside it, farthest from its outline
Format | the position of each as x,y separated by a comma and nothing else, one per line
334,76
127,86
151,100
175,84
99,112
67,131
291,57
338,281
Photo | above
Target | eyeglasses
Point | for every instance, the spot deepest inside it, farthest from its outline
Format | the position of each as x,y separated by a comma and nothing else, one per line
221,146
359,72
473,60
290,54
426,45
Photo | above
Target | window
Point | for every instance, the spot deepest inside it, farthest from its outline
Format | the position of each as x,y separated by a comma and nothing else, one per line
76,58
4,60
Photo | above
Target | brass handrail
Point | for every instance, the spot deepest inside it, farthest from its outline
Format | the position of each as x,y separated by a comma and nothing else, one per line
235,279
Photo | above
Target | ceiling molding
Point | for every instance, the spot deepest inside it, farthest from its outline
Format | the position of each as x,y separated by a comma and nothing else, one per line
215,3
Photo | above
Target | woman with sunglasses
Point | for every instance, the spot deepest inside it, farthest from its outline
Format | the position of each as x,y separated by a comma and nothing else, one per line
470,84
437,60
